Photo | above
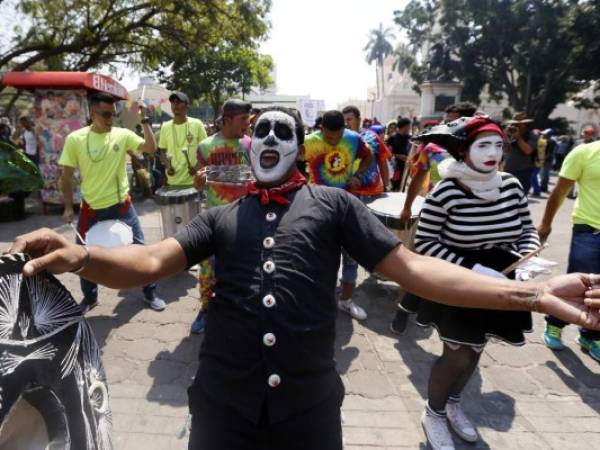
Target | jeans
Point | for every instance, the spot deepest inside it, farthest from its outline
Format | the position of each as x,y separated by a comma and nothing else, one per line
535,182
524,177
89,289
584,256
349,268
545,174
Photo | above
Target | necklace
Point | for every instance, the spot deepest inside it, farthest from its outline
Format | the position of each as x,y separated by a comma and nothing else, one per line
187,136
102,152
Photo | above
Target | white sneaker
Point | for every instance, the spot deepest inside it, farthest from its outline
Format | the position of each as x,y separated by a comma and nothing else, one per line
437,432
460,423
348,306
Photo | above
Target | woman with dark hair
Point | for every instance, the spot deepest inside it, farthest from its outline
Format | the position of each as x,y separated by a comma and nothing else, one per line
476,217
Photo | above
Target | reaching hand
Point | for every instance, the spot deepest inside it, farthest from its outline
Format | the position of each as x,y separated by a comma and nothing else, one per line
544,231
200,179
574,298
405,216
50,250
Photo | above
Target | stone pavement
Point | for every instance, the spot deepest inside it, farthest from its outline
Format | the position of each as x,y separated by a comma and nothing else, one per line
528,397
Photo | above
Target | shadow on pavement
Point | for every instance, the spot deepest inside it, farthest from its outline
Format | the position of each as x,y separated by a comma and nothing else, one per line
579,378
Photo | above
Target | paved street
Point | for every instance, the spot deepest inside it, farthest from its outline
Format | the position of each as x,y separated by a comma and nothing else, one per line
527,398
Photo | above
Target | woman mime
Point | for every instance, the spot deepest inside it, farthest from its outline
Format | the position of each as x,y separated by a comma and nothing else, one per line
476,217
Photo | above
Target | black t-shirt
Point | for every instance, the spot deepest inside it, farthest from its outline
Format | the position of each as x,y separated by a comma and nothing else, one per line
400,145
271,326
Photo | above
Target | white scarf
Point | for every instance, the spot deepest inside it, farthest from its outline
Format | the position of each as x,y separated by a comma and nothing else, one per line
483,185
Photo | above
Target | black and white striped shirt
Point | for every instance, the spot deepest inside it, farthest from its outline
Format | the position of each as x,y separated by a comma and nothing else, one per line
453,217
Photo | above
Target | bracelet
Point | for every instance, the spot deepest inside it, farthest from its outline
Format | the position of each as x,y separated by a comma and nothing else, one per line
86,260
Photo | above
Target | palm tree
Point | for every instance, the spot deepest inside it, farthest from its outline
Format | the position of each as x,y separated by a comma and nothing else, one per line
378,48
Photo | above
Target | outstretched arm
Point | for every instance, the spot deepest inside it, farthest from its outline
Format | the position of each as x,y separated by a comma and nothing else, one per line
451,284
117,268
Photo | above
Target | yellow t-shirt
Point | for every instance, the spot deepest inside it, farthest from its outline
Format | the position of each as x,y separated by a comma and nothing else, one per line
582,165
100,158
176,138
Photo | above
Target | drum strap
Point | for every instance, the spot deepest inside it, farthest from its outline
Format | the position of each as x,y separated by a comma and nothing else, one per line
87,214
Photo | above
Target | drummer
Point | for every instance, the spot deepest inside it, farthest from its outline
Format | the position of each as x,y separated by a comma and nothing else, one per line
227,149
98,151
376,179
179,139
330,155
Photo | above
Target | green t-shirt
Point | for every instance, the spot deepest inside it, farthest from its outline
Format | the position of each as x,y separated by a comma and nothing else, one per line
583,166
100,158
177,139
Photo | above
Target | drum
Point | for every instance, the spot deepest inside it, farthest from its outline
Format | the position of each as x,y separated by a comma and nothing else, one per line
388,207
109,234
53,388
178,206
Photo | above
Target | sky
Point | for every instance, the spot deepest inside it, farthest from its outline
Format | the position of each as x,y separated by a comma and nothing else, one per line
317,46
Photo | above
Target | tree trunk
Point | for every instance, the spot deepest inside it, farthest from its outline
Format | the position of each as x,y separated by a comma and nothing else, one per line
11,103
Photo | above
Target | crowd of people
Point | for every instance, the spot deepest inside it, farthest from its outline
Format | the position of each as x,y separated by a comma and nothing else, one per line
285,213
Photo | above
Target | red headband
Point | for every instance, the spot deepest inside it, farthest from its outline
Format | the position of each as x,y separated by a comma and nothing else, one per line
482,125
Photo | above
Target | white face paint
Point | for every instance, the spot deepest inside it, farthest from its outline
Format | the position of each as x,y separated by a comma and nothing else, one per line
274,147
485,153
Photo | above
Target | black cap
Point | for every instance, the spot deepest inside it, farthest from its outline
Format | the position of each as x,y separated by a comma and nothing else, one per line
233,107
179,96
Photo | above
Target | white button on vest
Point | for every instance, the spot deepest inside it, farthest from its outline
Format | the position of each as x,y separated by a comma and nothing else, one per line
271,216
269,339
268,242
269,266
269,301
274,380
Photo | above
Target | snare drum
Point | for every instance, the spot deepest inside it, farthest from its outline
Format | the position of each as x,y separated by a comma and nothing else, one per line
109,234
388,207
178,206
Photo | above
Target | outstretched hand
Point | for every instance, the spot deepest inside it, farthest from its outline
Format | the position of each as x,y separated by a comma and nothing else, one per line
50,251
574,298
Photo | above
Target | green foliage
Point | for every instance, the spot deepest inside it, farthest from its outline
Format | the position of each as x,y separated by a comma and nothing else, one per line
17,172
86,34
212,75
535,53
379,46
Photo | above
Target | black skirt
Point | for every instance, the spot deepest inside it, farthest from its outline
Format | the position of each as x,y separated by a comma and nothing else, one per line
473,326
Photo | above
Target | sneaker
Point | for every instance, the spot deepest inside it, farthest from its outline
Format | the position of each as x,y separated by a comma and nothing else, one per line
398,325
200,322
87,304
348,306
592,347
437,432
156,303
460,423
552,337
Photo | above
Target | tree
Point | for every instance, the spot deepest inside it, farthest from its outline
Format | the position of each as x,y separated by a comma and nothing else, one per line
84,34
215,74
534,53
378,48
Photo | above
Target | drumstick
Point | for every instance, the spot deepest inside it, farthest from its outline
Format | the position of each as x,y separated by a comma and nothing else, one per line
524,258
77,233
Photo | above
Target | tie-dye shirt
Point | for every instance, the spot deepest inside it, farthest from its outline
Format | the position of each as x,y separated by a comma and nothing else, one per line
333,165
371,181
228,166
427,158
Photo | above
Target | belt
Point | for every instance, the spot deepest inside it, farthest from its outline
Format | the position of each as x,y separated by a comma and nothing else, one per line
583,228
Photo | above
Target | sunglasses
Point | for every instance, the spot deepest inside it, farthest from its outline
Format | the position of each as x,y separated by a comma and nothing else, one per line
107,114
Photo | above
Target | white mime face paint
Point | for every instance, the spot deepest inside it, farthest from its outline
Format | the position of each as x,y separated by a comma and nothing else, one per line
485,153
274,147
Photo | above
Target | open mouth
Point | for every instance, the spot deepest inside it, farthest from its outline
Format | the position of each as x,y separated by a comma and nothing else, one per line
490,163
269,159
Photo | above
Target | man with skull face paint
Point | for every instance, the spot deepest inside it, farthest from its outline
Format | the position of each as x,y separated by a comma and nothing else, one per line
266,377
